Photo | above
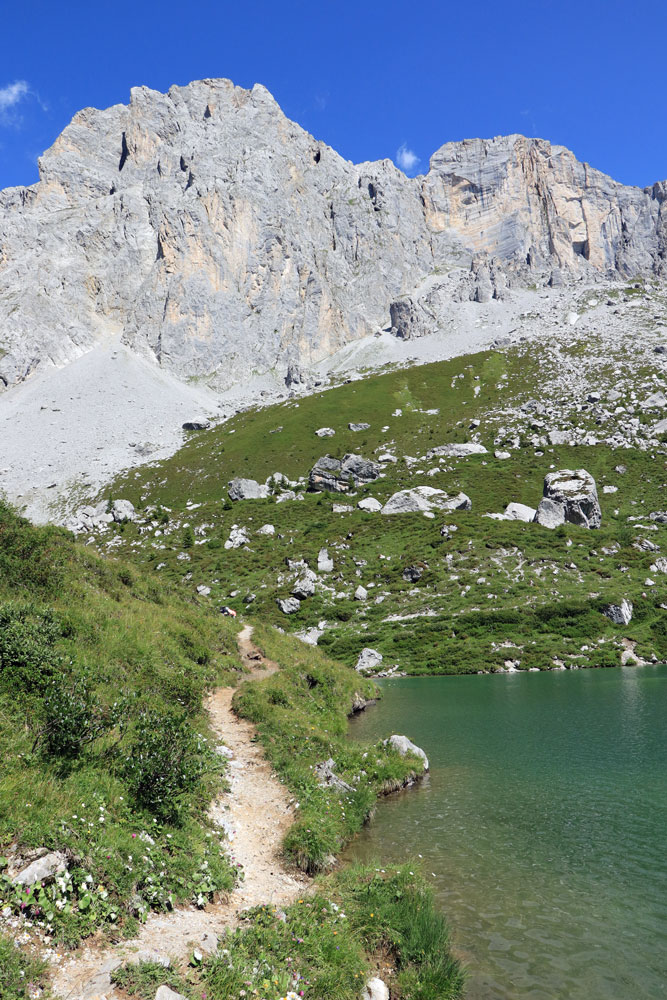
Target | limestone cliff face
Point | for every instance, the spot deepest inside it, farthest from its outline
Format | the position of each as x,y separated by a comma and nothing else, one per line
525,200
219,238
210,229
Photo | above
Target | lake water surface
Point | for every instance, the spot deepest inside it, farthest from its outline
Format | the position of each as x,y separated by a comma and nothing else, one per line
544,820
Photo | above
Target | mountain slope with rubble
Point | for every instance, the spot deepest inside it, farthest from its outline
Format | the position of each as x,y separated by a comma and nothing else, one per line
424,513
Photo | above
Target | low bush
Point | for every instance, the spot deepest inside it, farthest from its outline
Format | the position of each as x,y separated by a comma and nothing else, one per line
74,717
28,660
166,762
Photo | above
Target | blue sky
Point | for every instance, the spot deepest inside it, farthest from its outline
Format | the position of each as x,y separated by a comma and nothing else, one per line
369,79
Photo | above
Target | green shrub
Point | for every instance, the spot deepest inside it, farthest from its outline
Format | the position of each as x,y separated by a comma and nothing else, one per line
167,761
27,657
73,717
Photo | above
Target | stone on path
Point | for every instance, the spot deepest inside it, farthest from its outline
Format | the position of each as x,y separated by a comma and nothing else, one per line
165,993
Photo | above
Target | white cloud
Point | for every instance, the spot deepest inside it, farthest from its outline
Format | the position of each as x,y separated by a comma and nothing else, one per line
12,94
406,159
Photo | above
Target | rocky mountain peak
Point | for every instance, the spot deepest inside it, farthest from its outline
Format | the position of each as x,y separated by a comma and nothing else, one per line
218,238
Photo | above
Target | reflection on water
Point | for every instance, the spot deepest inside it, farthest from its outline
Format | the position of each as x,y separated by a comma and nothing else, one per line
544,820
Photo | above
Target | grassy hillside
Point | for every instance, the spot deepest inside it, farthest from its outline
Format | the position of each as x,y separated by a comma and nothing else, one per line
102,734
490,590
106,759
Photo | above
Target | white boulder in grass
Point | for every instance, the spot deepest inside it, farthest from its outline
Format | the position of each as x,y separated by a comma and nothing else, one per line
425,499
42,870
324,562
576,492
520,512
369,504
461,450
368,660
247,489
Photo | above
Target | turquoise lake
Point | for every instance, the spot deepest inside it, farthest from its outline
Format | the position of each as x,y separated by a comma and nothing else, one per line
542,825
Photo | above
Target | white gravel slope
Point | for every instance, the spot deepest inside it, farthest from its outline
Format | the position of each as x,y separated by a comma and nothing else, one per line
66,431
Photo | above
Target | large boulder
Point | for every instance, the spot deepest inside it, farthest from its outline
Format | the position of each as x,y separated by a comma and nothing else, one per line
577,493
406,746
408,319
425,499
247,489
368,660
369,504
520,512
305,585
197,425
123,510
238,536
290,605
619,614
340,475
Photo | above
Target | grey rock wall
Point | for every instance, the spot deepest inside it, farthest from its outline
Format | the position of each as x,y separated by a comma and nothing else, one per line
219,239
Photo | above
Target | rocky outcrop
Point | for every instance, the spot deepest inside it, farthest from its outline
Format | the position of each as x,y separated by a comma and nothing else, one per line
214,234
340,475
425,499
43,869
619,614
368,660
461,450
216,237
527,201
577,494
